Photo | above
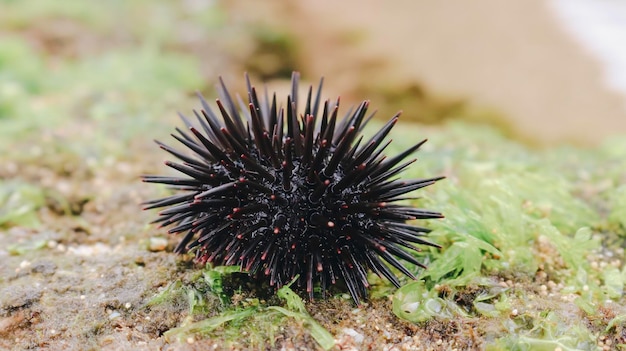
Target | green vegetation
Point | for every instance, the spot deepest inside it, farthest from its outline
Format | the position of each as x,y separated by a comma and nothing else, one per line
255,318
532,216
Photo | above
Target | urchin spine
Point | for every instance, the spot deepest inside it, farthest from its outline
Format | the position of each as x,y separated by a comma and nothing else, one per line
288,194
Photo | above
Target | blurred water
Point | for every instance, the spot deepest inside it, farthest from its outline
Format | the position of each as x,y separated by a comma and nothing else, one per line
600,26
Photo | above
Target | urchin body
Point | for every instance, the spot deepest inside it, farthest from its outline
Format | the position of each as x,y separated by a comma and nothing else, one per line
284,193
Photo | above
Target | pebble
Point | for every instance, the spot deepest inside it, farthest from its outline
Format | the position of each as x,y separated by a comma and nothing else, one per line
356,336
157,244
89,250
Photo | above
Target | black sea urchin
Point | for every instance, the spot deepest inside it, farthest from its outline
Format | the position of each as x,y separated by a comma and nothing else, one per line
284,193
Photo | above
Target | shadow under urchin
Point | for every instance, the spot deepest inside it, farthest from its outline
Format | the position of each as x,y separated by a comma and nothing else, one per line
285,193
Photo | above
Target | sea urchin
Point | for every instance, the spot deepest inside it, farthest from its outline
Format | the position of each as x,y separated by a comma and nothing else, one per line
284,193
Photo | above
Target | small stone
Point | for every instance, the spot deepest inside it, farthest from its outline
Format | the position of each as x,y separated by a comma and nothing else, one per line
356,336
157,244
139,260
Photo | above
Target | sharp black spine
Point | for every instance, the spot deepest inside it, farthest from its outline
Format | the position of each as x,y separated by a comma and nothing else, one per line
284,194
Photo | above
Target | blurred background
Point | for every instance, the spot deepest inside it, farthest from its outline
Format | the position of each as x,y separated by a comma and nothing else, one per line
540,71
86,85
